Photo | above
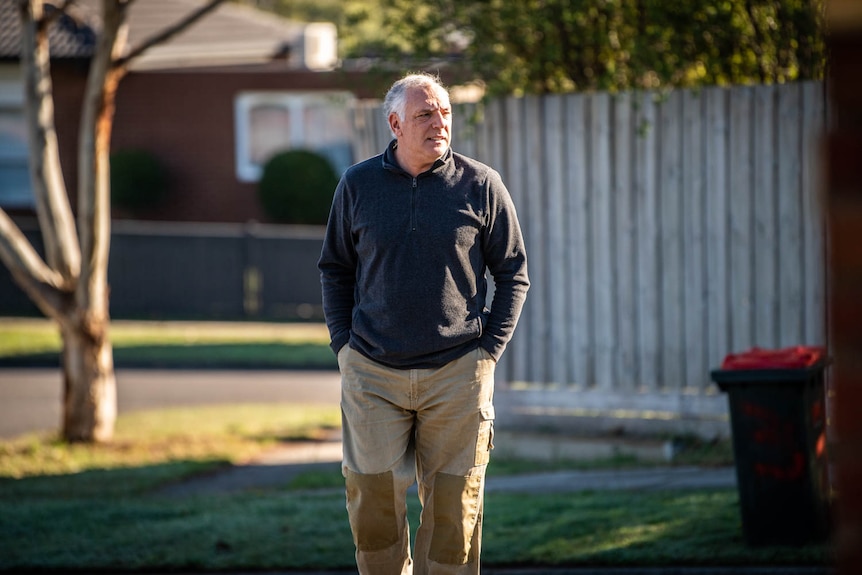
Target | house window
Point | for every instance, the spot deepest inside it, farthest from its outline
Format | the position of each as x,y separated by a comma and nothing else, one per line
271,122
15,191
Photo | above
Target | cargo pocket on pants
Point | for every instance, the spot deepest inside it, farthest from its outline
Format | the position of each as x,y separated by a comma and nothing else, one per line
485,438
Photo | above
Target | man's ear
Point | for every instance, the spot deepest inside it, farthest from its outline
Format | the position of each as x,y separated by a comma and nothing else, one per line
395,124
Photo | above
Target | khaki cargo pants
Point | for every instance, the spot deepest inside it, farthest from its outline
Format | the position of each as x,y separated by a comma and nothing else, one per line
433,426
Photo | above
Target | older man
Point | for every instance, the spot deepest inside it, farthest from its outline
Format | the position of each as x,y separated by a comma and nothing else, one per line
410,237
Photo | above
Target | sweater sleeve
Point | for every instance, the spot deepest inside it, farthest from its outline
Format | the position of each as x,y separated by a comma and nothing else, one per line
337,265
506,259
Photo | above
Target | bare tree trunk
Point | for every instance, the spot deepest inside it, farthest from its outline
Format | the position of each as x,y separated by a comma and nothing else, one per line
90,396
88,367
67,286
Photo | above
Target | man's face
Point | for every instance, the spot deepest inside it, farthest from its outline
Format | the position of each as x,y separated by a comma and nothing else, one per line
425,131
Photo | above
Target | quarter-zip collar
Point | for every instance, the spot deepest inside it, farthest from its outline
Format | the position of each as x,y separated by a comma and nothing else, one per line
390,163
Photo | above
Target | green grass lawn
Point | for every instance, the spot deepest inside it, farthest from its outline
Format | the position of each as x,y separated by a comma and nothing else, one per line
98,507
180,344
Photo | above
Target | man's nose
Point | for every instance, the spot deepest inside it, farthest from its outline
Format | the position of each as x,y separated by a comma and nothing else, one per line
438,118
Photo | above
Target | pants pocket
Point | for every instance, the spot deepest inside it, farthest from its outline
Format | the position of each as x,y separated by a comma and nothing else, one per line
342,353
485,437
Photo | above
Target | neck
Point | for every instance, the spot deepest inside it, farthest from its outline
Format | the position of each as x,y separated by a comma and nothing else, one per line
411,168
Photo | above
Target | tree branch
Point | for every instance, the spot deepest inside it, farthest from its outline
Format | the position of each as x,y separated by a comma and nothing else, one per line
94,142
42,284
57,11
46,175
166,34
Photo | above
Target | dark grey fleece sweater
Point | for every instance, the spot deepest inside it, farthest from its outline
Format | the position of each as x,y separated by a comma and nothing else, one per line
404,259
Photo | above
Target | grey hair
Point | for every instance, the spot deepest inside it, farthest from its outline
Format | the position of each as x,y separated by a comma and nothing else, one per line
395,101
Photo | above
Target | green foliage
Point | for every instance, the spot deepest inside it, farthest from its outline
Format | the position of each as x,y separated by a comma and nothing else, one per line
543,46
533,46
138,180
297,187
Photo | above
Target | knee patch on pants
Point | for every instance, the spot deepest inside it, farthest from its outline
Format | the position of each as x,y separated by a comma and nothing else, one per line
371,509
456,513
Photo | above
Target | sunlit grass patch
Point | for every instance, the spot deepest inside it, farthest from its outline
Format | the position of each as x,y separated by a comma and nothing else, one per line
26,336
205,435
178,343
629,528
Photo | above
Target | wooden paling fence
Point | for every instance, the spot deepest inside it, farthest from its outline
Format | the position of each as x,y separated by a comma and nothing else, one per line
664,231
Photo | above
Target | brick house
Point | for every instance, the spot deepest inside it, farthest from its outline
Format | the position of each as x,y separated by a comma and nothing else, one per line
211,104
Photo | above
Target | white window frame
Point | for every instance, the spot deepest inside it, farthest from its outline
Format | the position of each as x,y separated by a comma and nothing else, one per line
295,103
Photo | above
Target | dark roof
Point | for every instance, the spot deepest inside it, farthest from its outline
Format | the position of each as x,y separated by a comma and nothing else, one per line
69,36
231,34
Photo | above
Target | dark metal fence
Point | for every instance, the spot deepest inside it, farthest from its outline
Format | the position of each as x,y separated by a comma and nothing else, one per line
201,271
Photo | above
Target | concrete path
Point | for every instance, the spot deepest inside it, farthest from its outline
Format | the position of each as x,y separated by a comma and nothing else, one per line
280,465
651,479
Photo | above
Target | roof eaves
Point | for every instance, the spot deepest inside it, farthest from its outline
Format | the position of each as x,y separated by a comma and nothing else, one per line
219,38
167,57
69,36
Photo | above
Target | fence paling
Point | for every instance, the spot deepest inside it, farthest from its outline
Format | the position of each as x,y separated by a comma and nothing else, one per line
715,185
694,225
625,366
646,144
555,233
813,223
576,288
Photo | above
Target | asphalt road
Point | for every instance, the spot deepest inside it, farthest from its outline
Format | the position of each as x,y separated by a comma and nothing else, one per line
31,399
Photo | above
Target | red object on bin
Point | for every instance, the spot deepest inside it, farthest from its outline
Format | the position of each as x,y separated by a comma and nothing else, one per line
796,357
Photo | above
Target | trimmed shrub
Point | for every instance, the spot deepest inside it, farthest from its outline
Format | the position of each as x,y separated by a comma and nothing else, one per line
138,180
297,187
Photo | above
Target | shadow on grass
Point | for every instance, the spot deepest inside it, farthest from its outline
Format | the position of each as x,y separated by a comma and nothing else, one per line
117,519
114,482
234,480
244,355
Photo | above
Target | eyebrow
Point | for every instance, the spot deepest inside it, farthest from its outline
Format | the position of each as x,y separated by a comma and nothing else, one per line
427,110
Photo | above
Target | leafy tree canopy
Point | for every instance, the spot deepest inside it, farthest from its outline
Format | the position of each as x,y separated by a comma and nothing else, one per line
542,46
